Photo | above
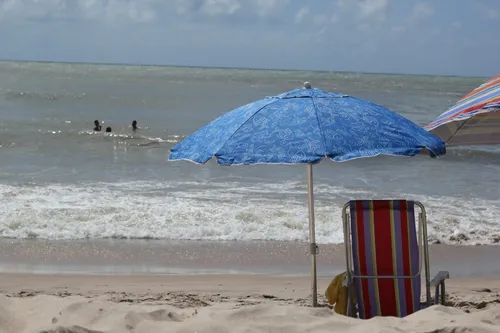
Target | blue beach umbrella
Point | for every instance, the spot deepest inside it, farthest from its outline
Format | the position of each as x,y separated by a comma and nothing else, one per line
304,126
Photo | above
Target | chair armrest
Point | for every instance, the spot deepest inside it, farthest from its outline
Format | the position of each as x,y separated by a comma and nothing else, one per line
439,278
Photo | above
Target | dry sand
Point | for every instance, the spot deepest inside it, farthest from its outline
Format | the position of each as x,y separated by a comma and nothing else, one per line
217,303
116,286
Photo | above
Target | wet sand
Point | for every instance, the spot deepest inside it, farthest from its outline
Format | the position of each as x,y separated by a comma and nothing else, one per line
200,257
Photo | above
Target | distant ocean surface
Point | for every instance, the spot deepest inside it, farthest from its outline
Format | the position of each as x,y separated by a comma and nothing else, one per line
61,180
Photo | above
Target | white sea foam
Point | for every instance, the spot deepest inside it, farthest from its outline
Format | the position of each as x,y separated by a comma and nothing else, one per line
216,211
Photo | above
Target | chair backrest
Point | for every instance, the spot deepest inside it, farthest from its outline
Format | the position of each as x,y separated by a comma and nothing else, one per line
385,257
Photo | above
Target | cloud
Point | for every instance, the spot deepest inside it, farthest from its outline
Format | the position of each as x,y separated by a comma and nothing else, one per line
487,10
373,35
137,11
260,8
268,7
361,12
372,8
219,7
493,14
301,14
141,11
422,11
32,9
133,10
145,11
398,30
321,19
419,12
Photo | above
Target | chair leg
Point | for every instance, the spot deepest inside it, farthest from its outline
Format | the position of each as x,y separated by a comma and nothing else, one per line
436,294
440,293
443,293
351,307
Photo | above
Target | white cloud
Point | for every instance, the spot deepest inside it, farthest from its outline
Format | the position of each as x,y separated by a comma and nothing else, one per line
138,11
487,11
230,7
301,14
32,9
220,7
493,14
267,7
133,10
366,11
398,30
320,19
422,11
371,8
436,31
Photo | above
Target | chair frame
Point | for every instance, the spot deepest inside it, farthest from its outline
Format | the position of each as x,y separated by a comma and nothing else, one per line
438,282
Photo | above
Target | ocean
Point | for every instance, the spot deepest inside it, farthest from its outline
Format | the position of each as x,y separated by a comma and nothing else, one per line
61,180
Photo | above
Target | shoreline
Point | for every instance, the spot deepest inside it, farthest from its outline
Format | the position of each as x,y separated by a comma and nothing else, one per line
164,257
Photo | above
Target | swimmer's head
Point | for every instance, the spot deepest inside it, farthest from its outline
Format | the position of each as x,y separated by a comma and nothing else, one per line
96,122
108,129
134,124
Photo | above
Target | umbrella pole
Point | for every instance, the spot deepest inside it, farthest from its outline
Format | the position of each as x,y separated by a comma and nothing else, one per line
312,234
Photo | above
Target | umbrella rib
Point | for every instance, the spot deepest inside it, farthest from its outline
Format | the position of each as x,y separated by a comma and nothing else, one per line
319,126
464,122
250,117
459,128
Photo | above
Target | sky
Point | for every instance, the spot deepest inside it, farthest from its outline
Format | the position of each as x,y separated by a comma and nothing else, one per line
450,37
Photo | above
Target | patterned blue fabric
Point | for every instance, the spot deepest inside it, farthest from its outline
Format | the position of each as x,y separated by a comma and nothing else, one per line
304,126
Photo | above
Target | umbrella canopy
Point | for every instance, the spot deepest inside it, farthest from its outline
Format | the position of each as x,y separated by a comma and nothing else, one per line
473,120
305,126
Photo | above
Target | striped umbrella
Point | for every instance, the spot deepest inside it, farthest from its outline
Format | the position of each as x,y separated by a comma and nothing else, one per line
473,120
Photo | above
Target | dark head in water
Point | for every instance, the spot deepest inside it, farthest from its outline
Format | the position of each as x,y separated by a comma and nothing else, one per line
97,125
108,129
134,125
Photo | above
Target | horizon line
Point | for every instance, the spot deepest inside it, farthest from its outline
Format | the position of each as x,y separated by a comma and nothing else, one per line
228,67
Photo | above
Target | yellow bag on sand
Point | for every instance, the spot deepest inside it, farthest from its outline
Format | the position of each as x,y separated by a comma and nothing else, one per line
338,293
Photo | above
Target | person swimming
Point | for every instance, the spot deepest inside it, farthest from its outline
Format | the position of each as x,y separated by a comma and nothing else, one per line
97,126
108,129
134,126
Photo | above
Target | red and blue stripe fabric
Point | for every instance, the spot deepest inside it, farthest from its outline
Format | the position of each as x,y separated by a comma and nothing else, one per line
384,243
473,120
481,99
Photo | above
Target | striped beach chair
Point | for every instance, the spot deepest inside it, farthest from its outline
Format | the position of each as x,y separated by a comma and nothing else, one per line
384,251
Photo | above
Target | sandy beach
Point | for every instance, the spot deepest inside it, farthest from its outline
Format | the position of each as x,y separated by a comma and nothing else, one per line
53,296
217,303
169,166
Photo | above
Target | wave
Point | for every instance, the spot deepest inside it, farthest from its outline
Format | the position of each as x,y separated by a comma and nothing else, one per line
54,138
474,154
28,95
131,138
216,210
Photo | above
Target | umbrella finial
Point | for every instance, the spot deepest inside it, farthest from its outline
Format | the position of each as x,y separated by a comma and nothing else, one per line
307,85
